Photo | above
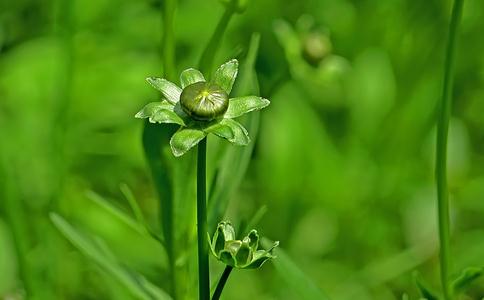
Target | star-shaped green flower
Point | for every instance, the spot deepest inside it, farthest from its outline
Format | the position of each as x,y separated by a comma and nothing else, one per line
241,254
201,107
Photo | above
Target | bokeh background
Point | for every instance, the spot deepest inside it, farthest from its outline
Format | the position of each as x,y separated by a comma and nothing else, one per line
343,162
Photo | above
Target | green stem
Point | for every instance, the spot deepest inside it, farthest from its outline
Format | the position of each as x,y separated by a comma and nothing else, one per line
208,55
203,268
168,40
441,157
221,283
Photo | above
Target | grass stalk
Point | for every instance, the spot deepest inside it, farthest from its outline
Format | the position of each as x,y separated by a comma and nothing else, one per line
202,228
441,152
168,39
221,283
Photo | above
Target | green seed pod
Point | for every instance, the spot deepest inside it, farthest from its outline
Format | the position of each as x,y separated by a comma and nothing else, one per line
204,101
316,47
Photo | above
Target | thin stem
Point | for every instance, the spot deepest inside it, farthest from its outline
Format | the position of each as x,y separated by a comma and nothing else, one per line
202,229
221,283
208,55
441,157
168,40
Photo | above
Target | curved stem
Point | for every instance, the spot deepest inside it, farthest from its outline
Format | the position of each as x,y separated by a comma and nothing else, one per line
208,55
221,283
203,267
441,152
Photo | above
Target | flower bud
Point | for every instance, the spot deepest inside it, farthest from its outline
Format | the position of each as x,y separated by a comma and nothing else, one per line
204,101
315,47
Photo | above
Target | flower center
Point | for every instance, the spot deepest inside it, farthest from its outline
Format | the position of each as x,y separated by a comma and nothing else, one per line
204,101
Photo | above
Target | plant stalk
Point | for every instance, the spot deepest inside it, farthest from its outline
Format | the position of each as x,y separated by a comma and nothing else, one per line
221,283
441,152
168,39
202,228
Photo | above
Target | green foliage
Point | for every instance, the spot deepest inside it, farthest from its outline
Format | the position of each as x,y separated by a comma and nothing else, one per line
137,285
342,158
466,277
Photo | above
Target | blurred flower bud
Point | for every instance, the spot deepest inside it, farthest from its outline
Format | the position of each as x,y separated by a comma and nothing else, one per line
315,47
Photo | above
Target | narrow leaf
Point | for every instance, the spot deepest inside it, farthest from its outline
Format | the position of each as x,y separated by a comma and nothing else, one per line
190,76
136,284
242,105
424,289
185,139
221,130
226,74
151,108
467,276
168,89
236,160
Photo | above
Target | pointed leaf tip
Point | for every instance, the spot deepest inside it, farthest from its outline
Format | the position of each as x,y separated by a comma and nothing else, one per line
168,89
226,74
242,105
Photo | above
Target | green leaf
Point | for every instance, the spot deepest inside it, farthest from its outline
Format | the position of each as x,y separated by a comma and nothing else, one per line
137,285
294,277
230,130
226,74
166,116
168,89
242,105
151,108
190,76
424,289
467,276
185,139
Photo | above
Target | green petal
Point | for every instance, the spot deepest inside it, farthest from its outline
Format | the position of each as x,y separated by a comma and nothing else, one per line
230,130
151,108
227,258
253,239
244,254
228,231
257,263
190,76
242,105
226,74
170,91
185,139
218,241
166,116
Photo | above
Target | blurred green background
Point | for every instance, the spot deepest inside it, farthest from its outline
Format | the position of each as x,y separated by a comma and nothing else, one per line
343,160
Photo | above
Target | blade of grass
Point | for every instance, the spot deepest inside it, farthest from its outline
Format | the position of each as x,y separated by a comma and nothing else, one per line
236,160
136,284
141,228
441,152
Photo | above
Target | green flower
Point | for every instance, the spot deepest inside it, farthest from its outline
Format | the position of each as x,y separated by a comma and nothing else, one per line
201,107
241,254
